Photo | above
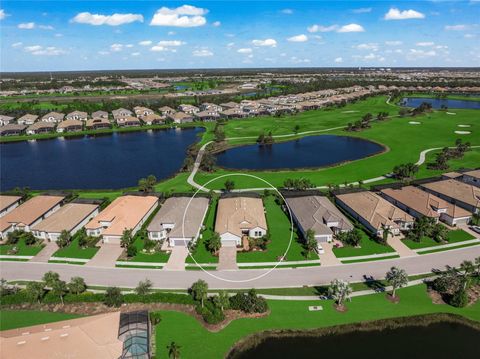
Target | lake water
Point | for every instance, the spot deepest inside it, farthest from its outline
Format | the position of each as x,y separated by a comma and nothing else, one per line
436,341
312,151
115,160
438,103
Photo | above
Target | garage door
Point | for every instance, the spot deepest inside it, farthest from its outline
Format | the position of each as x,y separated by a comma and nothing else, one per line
229,243
322,239
180,242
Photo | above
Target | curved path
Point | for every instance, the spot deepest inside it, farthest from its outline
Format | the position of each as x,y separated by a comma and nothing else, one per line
278,278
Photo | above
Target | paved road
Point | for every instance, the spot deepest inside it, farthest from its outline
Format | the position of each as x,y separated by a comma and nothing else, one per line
285,277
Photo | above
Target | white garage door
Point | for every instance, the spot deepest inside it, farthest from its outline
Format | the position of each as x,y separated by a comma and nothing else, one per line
180,242
229,243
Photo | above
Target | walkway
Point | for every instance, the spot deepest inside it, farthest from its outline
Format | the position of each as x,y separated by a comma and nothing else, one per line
401,249
227,259
328,258
106,256
45,254
176,261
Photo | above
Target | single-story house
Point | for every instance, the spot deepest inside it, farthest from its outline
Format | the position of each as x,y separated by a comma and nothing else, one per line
208,115
153,119
189,109
98,123
5,120
229,105
8,203
40,127
238,217
128,121
419,204
178,223
233,113
317,213
121,113
141,112
472,177
165,110
29,214
180,117
70,126
71,218
125,212
55,117
27,119
374,212
12,129
100,114
460,193
208,106
77,115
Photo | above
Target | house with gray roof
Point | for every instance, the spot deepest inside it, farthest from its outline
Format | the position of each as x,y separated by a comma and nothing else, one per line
100,114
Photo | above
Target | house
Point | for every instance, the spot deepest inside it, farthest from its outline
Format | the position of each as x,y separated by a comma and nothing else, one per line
141,112
40,127
229,105
97,123
472,177
374,212
460,193
12,130
54,117
317,213
419,204
188,109
208,106
121,113
27,119
179,220
71,218
207,116
70,126
29,213
8,203
125,212
233,113
153,119
165,110
100,114
180,117
5,120
77,115
128,121
238,217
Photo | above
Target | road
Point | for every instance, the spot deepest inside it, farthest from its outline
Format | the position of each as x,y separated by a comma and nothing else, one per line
278,278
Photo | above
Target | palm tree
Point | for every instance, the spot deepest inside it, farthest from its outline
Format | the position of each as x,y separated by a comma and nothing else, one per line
199,290
340,291
311,242
397,278
77,285
173,350
439,233
60,288
386,232
466,269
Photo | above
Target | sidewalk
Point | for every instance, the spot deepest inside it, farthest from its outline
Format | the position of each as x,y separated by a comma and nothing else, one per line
45,254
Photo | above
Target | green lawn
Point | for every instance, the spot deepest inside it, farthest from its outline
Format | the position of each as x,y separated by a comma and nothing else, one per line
10,319
157,256
449,96
191,336
23,249
454,236
75,251
368,246
279,227
202,254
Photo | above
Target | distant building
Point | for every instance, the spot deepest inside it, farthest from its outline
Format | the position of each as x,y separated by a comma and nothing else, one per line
8,203
121,113
70,126
55,117
77,115
97,123
27,119
180,117
460,193
100,114
188,109
128,121
40,127
12,130
5,120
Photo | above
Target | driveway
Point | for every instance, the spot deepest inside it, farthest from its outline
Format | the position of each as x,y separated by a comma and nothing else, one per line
328,258
227,259
401,249
106,256
45,254
176,262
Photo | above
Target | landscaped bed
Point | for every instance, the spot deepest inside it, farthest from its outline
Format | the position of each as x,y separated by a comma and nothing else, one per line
454,236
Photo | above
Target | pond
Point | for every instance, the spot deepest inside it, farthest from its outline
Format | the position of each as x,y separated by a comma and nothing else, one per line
440,340
110,161
438,103
312,151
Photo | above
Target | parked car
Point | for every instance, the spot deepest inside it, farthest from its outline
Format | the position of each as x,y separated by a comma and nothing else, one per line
476,229
320,249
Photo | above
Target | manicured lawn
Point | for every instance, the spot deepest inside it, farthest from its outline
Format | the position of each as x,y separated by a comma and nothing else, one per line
157,256
368,246
454,236
279,227
75,251
186,332
434,250
10,319
202,254
23,249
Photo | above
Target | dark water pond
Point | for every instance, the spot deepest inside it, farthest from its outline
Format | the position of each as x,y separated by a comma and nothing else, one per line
436,341
116,160
438,103
313,151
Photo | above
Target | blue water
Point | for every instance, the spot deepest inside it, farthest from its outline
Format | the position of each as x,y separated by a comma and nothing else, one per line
111,161
437,103
313,151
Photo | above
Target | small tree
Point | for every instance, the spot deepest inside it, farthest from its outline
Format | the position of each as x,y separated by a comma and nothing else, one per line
222,300
340,291
229,185
77,285
310,242
64,239
50,278
155,318
144,287
60,288
113,297
385,233
439,233
35,291
397,278
214,243
173,351
199,290
131,251
127,238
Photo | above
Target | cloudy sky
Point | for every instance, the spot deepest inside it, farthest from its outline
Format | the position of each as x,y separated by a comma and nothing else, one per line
90,35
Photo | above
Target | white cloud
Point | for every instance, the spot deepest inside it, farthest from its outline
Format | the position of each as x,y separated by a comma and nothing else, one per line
362,10
3,15
320,28
145,43
415,54
469,36
159,48
370,56
230,44
183,16
456,27
135,54
338,60
58,35
395,14
170,33
298,38
46,27
425,43
244,51
393,43
370,46
111,20
351,28
129,45
266,42
103,52
168,43
17,44
202,53
287,11
216,23
116,47
38,50
26,25
297,60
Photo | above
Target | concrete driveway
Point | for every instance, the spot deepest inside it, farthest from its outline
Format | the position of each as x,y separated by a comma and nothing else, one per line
176,262
227,259
401,249
328,258
45,254
106,256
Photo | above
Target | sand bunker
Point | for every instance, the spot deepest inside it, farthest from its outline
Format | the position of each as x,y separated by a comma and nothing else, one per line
464,125
414,123
451,113
462,132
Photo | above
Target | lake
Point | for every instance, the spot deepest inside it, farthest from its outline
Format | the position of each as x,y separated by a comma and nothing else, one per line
110,161
435,341
438,103
312,151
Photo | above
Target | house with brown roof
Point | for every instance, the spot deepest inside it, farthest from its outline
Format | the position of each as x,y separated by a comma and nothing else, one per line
374,212
141,111
5,120
121,113
128,121
12,129
8,203
29,214
317,213
165,110
125,212
233,113
179,220
100,114
207,116
153,119
77,115
40,127
459,193
419,204
239,217
54,117
180,117
208,106
27,119
70,126
472,177
188,109
97,123
229,105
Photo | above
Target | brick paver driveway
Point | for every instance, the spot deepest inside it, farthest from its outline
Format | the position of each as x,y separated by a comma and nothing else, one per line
106,256
227,259
176,261
45,254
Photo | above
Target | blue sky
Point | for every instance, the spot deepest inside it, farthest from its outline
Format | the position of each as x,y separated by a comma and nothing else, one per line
97,35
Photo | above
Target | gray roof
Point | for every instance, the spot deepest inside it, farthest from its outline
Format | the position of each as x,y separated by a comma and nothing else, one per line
172,212
312,212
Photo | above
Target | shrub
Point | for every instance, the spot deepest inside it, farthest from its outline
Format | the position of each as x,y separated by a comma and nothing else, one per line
249,303
210,313
113,297
155,318
459,299
131,251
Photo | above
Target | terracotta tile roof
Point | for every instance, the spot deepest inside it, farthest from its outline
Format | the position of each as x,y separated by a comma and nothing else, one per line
7,201
66,218
458,190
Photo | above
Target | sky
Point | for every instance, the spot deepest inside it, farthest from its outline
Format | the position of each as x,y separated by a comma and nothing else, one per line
102,35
